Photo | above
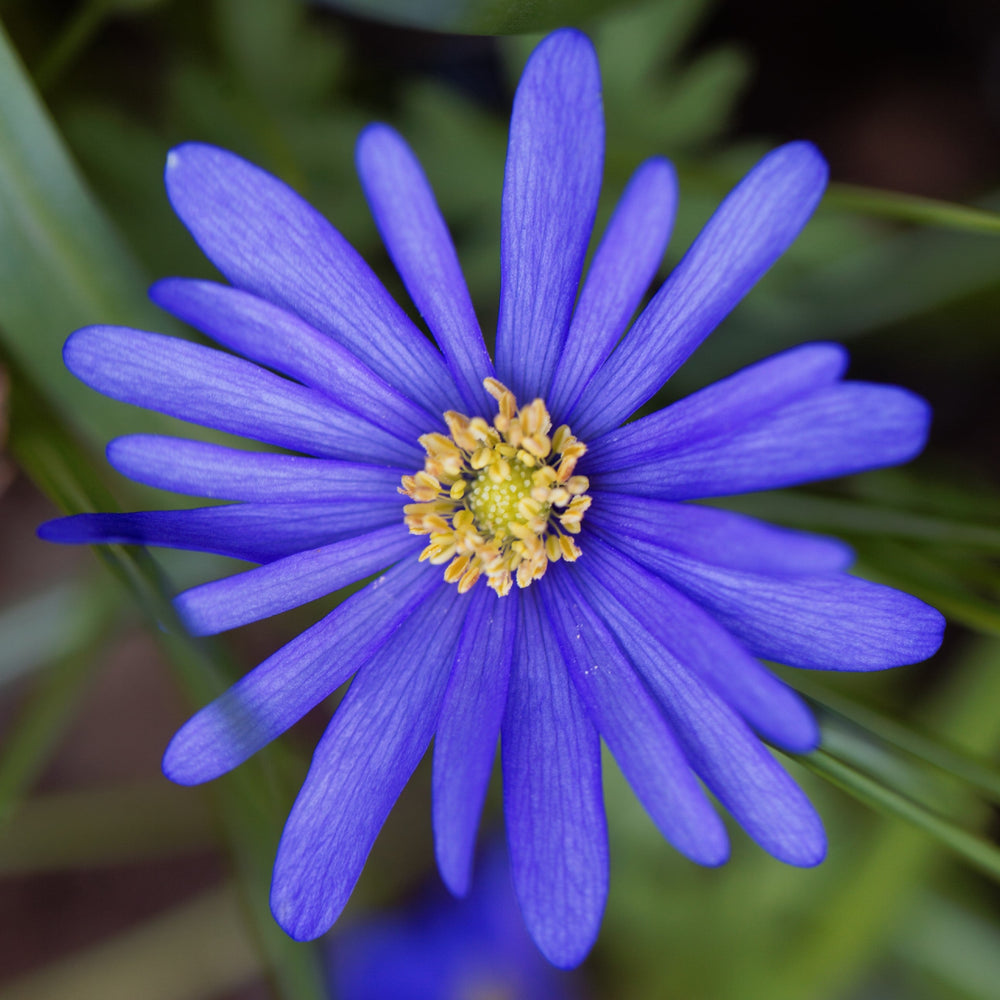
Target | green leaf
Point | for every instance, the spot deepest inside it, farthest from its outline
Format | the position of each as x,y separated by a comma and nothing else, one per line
967,845
971,770
479,17
912,208
62,265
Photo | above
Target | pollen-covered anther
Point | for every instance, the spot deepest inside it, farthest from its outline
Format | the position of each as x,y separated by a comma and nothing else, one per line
498,500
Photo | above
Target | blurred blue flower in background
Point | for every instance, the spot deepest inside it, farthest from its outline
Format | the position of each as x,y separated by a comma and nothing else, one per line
439,948
636,618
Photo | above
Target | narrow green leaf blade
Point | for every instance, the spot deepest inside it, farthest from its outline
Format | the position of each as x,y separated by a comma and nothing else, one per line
913,208
62,265
969,846
974,772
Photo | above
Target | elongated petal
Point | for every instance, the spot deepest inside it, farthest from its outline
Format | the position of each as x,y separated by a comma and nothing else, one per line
633,726
551,184
721,408
257,532
829,622
689,636
720,537
418,241
623,266
376,739
836,431
266,239
262,332
295,679
292,581
552,797
217,390
718,745
750,230
467,735
198,468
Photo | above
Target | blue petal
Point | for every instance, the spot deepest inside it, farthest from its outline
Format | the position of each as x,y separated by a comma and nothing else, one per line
553,801
726,755
836,431
632,726
197,468
292,581
420,246
267,240
551,185
721,408
720,537
369,750
750,230
828,622
278,339
295,679
689,636
209,387
623,266
467,734
251,531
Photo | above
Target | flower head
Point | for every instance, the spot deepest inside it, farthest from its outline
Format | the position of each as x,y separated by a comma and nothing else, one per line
566,591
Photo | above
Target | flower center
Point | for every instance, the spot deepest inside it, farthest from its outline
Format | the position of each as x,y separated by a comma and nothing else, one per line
495,506
498,499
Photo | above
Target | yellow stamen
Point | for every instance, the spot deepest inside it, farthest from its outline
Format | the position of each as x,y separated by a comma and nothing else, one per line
498,500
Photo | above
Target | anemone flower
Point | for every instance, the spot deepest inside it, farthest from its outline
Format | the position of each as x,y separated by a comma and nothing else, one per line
547,581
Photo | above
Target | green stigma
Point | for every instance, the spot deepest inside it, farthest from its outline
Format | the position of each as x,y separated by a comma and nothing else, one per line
494,505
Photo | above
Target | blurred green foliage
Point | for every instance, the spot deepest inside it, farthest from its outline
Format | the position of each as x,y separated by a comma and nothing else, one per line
913,284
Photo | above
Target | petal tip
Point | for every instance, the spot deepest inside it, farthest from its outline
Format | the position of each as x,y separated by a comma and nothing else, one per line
806,157
807,851
159,292
456,881
194,612
714,853
180,765
917,414
564,45
51,531
77,347
298,923
179,157
375,132
801,736
563,949
660,169
182,154
299,909
930,632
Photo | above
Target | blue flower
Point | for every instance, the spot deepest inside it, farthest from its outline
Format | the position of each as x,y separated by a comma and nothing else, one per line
635,617
438,948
